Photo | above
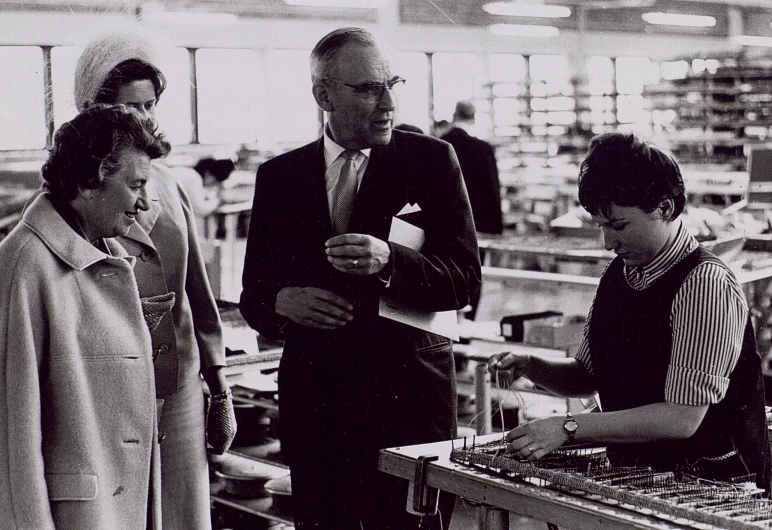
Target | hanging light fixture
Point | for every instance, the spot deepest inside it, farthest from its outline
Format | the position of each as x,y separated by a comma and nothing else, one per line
679,19
521,9
752,40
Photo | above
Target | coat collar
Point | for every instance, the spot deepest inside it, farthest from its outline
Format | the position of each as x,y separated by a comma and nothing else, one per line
457,132
63,241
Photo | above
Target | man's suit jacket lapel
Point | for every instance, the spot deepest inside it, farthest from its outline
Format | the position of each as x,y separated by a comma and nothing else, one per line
312,190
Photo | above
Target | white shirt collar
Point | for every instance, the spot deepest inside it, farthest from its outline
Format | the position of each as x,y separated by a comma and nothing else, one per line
332,150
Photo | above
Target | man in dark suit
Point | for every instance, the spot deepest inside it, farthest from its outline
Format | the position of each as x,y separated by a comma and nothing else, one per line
481,176
352,382
478,164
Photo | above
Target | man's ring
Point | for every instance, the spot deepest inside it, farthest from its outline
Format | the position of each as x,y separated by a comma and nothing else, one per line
529,449
354,262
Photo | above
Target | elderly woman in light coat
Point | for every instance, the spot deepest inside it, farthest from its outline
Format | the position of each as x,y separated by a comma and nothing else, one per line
78,423
123,68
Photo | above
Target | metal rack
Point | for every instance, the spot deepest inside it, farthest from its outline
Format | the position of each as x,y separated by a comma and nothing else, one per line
718,113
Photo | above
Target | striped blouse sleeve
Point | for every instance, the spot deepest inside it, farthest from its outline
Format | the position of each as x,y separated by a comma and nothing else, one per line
708,320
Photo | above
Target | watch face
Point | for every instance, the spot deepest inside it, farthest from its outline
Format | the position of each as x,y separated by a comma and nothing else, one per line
570,425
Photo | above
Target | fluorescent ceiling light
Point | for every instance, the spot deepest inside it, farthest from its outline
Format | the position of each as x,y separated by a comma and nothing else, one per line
527,10
752,40
521,30
677,19
361,4
190,17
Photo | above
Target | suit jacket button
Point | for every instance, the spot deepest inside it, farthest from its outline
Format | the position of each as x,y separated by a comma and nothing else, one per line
161,436
145,256
163,348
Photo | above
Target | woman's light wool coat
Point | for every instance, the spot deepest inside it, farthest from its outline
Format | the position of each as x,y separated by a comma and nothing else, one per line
78,435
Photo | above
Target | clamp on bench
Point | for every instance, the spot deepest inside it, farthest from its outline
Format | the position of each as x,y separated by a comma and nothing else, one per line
421,498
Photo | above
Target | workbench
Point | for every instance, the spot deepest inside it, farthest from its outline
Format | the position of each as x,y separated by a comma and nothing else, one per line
500,496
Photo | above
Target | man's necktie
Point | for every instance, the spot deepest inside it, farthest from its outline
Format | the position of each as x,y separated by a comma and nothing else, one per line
345,192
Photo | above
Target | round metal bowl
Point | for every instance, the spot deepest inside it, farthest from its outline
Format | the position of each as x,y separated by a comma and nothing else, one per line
250,485
280,490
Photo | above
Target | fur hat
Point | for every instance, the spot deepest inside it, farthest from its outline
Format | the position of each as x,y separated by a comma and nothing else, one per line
103,54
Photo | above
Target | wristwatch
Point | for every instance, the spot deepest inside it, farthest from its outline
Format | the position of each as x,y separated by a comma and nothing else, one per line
570,426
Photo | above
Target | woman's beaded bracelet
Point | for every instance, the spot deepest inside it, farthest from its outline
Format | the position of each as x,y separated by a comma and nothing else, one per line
221,396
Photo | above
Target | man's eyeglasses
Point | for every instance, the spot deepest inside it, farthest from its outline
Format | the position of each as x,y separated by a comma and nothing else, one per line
373,92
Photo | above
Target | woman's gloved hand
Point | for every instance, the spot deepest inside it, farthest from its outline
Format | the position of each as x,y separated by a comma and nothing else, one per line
220,423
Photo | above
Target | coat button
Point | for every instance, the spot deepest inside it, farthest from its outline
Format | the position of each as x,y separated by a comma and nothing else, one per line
145,256
163,348
161,436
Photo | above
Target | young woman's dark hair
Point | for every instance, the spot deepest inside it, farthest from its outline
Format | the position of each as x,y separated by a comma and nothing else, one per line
127,72
219,168
623,169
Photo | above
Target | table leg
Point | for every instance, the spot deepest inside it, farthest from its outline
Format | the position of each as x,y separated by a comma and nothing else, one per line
490,518
482,383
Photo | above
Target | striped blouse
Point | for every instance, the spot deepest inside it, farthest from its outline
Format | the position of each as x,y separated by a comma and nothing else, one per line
707,318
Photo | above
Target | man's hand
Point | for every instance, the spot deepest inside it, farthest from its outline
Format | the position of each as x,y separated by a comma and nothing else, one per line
313,307
358,254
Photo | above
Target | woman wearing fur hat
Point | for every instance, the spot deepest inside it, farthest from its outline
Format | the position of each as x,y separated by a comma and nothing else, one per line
123,68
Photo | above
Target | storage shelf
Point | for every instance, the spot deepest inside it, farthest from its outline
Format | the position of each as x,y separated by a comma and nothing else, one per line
262,507
727,109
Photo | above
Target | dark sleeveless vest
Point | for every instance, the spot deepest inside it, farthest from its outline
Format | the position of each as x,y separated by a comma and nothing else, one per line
630,341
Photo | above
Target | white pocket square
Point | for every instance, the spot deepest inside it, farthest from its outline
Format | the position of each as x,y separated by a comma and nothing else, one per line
409,208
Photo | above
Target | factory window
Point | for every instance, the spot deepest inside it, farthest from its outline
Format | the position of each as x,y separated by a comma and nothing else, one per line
552,95
174,111
229,96
670,70
413,105
174,107
507,68
22,111
291,117
63,60
600,76
597,112
508,72
632,74
456,76
550,75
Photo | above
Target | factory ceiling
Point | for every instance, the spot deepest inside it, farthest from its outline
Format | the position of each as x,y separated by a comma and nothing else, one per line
585,15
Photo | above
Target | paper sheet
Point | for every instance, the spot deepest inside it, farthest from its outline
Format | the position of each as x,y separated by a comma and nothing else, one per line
443,323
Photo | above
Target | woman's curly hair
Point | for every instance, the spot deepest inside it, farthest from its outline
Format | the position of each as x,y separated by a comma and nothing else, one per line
88,148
